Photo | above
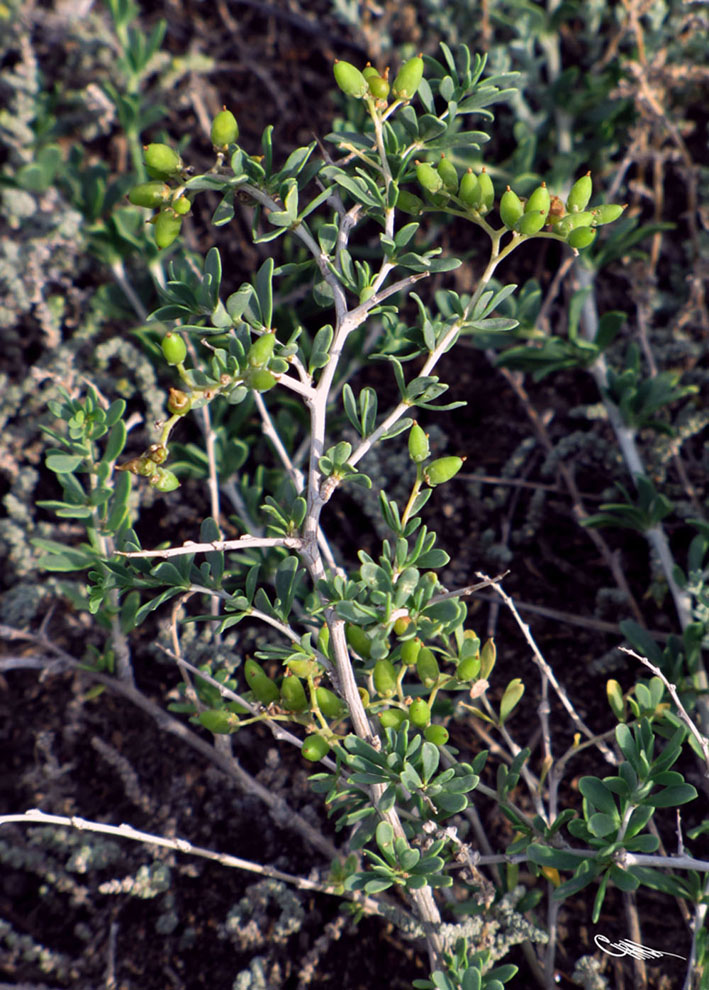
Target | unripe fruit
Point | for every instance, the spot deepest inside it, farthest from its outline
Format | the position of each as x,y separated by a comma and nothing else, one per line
265,689
167,227
487,192
428,177
261,351
606,213
401,625
418,444
369,72
293,697
392,718
149,194
164,480
530,223
174,348
384,678
350,79
437,734
581,238
314,748
260,380
442,470
447,172
427,667
178,402
162,158
511,208
580,194
358,640
468,669
182,206
573,220
410,651
419,713
408,79
378,87
328,703
539,201
225,129
218,721
469,191
409,203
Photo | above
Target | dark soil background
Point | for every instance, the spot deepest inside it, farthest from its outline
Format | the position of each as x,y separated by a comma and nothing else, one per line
68,750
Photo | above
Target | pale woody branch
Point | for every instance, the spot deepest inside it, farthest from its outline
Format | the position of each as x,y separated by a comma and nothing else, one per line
243,543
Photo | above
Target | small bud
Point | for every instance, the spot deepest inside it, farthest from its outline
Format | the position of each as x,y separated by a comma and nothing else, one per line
419,448
225,129
149,194
378,87
182,206
350,79
539,201
162,158
178,402
314,748
442,470
487,192
581,238
408,79
469,191
606,213
580,194
401,625
511,208
174,348
428,177
447,172
419,713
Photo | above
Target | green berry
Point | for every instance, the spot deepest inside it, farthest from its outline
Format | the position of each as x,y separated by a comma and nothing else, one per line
162,158
407,202
442,470
487,192
408,79
149,194
350,79
174,348
182,206
410,651
539,201
511,208
531,223
378,87
293,697
358,640
437,734
581,238
166,227
606,213
419,449
427,667
384,678
178,402
580,194
419,713
447,172
314,748
218,721
261,380
265,689
164,480
392,718
469,191
468,669
401,625
261,351
369,72
329,704
428,177
225,129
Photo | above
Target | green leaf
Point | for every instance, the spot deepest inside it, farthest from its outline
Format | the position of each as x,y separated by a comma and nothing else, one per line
264,291
63,463
599,795
511,698
671,796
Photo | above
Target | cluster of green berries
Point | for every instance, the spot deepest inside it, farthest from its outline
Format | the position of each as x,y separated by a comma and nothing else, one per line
576,224
370,84
438,471
164,193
